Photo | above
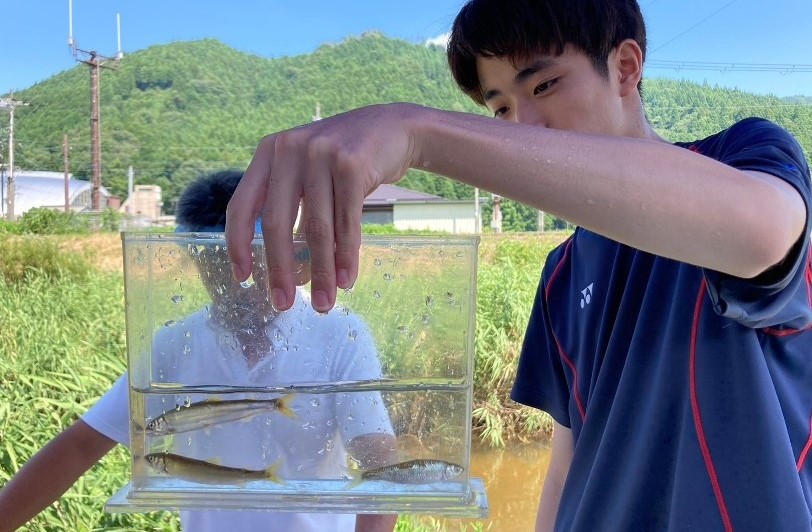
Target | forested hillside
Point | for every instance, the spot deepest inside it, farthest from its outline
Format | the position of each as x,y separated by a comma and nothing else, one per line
175,110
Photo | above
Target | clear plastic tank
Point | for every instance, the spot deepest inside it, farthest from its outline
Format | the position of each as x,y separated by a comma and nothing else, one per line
365,409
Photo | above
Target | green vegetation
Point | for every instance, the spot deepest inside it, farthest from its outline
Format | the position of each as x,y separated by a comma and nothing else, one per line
62,341
176,110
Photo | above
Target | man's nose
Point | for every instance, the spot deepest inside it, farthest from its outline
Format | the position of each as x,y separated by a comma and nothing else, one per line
530,114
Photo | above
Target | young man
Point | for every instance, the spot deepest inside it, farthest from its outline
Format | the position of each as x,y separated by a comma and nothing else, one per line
297,346
670,339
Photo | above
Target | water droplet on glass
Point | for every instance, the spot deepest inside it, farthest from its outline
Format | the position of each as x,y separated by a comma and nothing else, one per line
376,294
402,329
248,283
378,262
426,319
429,301
315,402
177,299
169,323
350,417
187,402
459,254
352,335
387,277
329,422
189,441
188,334
345,311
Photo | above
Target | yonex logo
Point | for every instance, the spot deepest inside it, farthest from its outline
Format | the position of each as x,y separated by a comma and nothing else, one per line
586,295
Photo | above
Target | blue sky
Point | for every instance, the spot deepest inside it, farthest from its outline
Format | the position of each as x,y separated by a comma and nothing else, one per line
34,40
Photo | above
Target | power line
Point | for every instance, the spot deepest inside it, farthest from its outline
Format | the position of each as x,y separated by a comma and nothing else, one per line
724,67
666,43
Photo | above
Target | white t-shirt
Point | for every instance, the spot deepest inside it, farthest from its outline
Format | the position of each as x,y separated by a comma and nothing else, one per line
306,348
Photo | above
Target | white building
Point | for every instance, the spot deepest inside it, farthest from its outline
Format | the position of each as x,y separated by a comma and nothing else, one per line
417,211
47,189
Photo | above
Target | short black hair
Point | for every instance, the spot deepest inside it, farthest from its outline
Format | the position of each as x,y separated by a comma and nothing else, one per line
518,29
203,203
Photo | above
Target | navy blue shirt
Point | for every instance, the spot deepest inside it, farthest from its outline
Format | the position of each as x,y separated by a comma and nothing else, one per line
688,391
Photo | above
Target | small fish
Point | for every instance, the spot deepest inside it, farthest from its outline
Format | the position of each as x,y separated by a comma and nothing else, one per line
204,472
214,412
420,471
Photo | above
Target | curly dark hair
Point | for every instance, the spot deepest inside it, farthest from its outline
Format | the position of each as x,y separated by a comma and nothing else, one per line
203,204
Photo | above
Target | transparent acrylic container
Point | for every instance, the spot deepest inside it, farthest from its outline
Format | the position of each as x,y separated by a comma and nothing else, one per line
365,409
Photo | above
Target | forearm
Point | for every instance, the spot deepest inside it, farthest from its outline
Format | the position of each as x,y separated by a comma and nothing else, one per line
557,471
49,473
643,193
375,523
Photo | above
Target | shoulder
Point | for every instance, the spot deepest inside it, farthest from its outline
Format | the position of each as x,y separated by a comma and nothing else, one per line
748,135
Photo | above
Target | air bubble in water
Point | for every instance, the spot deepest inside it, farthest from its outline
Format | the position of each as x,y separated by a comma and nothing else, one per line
378,262
315,402
387,277
345,311
177,299
352,334
376,294
248,283
169,323
426,319
429,301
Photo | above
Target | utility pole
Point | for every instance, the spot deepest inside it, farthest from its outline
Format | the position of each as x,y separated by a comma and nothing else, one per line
11,104
96,62
67,172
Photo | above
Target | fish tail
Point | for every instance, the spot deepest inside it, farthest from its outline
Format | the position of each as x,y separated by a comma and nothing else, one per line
284,407
272,473
355,472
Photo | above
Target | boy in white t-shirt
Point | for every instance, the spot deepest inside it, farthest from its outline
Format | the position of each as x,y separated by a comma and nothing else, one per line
311,444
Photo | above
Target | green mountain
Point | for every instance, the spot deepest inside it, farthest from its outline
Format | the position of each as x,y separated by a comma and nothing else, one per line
173,111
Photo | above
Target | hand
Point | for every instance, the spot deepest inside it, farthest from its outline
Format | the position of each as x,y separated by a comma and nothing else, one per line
330,166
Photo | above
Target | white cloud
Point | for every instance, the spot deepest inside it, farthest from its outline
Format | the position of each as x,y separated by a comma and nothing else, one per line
440,40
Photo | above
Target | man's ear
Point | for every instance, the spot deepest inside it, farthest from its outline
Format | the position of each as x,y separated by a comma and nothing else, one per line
628,65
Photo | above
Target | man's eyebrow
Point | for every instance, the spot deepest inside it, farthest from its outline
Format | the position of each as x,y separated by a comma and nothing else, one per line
535,67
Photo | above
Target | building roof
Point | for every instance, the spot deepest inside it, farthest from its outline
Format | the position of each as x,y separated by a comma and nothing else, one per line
42,189
391,194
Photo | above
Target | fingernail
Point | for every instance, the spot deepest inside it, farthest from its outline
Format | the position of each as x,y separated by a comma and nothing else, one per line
280,301
342,278
320,301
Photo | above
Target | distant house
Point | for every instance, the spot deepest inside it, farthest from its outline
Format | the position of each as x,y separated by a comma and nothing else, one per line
144,202
47,189
410,210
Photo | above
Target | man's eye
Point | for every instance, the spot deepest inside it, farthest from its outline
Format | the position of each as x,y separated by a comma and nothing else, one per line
544,87
500,112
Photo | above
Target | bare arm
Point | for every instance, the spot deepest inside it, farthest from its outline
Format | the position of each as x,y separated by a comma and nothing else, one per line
644,193
560,461
374,450
50,472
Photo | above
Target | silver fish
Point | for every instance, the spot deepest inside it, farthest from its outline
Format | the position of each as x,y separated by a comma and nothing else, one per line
214,412
204,472
420,471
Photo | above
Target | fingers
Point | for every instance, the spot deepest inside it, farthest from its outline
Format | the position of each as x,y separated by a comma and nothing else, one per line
348,206
317,222
244,208
278,217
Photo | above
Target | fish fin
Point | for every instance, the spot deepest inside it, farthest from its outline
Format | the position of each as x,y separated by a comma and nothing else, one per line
272,473
284,407
355,472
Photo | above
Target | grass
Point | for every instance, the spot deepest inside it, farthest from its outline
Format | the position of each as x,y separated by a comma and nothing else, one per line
62,340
